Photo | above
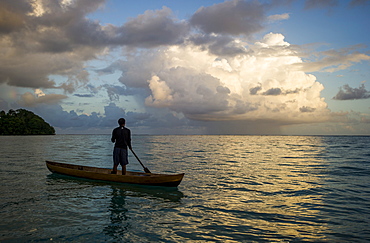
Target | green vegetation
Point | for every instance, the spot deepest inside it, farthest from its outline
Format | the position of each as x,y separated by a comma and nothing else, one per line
23,122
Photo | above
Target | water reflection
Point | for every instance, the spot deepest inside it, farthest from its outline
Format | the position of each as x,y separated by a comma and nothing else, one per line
122,206
119,223
284,197
171,194
121,196
237,189
247,187
252,187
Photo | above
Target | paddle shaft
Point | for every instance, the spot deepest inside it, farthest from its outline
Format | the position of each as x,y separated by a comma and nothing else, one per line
145,169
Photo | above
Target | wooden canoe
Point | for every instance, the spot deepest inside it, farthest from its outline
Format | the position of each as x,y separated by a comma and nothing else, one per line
103,174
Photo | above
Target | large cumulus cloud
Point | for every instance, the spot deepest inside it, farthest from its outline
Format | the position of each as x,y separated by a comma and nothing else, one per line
204,86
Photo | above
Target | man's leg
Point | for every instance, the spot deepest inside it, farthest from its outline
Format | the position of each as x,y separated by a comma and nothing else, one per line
114,169
115,160
124,161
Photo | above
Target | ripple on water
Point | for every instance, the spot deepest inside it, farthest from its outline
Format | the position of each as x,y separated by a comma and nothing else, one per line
236,188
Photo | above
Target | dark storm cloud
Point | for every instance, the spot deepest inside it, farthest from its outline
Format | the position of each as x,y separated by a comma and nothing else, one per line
355,3
151,29
71,121
312,4
306,109
60,39
236,17
57,117
273,91
35,46
84,95
348,93
3,105
309,4
112,68
114,91
254,90
218,45
11,15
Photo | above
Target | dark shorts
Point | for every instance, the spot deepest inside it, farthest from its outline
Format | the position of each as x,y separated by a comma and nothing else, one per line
120,156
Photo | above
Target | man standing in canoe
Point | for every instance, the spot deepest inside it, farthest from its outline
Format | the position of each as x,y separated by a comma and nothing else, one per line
121,136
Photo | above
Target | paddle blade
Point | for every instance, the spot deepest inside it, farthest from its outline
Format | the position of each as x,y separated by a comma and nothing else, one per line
145,169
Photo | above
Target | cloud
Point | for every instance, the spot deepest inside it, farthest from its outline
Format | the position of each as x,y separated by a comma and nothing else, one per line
181,72
84,95
312,4
40,40
348,93
355,3
29,100
139,122
219,45
236,17
309,4
307,109
273,91
39,92
66,120
260,84
277,17
152,29
3,105
10,19
335,60
115,91
161,93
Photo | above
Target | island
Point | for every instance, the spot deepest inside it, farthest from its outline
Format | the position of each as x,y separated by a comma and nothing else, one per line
23,122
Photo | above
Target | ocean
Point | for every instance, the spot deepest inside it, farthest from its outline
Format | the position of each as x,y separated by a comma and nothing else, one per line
235,189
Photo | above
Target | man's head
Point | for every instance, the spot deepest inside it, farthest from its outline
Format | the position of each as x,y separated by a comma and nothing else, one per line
122,121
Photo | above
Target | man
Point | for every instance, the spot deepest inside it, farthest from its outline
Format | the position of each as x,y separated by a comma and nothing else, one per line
121,136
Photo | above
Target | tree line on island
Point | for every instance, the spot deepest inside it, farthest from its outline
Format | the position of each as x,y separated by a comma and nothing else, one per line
23,122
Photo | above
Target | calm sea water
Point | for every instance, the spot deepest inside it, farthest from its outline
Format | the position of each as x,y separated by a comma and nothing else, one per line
236,189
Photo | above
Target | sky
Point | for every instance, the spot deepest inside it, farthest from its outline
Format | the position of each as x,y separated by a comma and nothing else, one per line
289,67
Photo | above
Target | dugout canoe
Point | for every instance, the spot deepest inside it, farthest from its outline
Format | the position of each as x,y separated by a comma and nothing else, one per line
102,174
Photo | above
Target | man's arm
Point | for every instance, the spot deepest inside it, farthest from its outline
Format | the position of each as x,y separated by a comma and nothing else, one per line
129,139
113,139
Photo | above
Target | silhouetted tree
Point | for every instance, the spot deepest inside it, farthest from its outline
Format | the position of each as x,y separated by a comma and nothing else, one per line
23,122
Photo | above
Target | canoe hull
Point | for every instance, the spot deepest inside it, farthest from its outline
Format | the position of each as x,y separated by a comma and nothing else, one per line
103,174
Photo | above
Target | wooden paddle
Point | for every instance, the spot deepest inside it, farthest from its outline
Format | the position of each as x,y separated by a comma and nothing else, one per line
145,169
